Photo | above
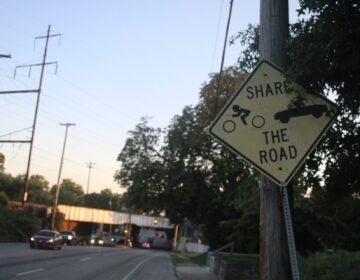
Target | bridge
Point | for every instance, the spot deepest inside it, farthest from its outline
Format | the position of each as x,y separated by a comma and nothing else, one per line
92,215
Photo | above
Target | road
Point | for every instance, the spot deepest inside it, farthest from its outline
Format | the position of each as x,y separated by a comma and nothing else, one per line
18,261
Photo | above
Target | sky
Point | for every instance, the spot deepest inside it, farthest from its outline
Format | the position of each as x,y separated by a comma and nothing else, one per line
117,62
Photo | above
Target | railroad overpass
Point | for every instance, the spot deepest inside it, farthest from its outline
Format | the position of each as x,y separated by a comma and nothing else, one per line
99,216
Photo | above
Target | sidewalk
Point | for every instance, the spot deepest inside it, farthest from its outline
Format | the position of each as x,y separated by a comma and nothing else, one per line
190,271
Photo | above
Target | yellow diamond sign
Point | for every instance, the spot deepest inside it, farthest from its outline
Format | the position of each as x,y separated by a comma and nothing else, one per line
272,124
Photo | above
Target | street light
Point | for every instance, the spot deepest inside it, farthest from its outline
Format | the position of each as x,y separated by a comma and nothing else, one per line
59,176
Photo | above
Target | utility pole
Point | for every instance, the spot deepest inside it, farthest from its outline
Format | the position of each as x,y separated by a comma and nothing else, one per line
36,110
274,257
90,166
219,87
67,125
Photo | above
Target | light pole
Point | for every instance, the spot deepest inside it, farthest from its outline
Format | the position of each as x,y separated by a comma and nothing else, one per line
59,176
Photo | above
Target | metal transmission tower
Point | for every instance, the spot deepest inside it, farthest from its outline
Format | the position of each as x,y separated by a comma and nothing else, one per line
89,165
59,176
37,104
38,91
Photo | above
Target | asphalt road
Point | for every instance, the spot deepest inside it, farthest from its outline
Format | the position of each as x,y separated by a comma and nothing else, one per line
18,261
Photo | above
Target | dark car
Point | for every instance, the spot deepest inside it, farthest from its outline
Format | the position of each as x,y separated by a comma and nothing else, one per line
69,237
315,110
49,239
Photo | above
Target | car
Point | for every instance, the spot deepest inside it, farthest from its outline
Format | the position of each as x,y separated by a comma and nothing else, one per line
315,110
69,237
106,241
49,239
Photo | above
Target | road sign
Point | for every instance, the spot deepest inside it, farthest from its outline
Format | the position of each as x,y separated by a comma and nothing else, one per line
273,124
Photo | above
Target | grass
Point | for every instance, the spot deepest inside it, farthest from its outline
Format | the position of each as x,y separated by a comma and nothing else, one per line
341,265
199,259
252,258
177,258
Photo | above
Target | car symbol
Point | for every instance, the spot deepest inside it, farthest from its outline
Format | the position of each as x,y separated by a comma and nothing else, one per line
315,110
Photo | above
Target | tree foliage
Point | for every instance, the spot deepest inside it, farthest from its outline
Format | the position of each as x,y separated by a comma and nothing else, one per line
39,190
141,163
321,56
106,199
70,193
183,172
2,162
323,49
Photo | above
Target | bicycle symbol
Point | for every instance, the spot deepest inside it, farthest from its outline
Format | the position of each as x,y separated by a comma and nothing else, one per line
229,126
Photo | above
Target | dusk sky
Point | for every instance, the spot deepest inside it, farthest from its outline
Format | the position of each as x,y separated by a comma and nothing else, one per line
117,62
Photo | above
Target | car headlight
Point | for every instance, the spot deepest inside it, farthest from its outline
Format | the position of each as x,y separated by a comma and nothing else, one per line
32,239
50,241
92,241
101,242
69,237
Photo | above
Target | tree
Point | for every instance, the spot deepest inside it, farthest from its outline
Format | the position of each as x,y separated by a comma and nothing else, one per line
15,190
2,161
5,182
191,176
323,47
141,164
327,37
3,199
39,190
104,200
70,193
321,58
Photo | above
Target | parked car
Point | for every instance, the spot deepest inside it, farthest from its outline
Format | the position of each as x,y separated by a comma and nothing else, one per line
49,239
69,237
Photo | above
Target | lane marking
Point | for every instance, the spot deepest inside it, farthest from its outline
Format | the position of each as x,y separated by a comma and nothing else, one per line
136,267
29,272
85,259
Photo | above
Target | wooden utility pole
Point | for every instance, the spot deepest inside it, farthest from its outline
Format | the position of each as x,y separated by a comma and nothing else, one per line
89,165
56,199
274,257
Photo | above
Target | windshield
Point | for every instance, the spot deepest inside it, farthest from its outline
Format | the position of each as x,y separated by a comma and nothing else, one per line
46,233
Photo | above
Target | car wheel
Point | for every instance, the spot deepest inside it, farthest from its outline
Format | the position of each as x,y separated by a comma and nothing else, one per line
31,246
284,120
317,114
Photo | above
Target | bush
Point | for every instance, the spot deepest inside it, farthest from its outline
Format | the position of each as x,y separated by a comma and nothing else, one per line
340,265
17,226
4,199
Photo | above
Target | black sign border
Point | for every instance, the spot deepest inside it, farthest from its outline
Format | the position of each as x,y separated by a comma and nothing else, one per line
303,159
